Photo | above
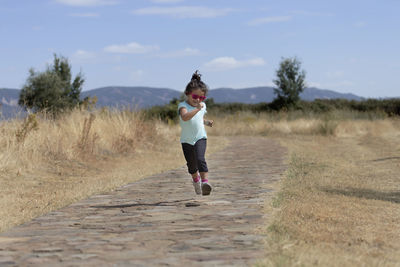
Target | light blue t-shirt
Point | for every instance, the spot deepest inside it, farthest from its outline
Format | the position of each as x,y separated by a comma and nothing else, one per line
192,130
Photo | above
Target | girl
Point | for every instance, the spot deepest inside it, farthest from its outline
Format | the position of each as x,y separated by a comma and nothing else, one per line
193,135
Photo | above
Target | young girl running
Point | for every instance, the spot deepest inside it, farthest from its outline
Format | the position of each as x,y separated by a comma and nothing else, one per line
193,134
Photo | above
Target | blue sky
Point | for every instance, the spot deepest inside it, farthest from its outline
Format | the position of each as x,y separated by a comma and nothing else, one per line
344,45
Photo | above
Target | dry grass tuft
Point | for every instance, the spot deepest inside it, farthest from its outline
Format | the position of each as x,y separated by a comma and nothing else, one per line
29,124
86,142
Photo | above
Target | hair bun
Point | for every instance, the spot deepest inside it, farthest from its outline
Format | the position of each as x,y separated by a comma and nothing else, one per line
196,76
196,83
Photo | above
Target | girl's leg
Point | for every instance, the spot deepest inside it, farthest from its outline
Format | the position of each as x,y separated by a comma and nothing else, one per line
195,176
200,150
190,156
191,160
204,176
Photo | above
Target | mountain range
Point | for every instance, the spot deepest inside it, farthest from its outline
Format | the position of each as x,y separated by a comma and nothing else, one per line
143,97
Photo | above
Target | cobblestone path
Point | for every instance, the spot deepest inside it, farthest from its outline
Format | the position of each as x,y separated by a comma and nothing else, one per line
159,221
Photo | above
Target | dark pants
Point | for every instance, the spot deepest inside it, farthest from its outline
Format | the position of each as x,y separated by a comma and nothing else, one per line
194,156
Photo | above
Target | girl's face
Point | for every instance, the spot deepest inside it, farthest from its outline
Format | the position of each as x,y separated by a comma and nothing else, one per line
191,97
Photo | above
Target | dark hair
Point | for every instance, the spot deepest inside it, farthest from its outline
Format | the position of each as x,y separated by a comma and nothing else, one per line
196,83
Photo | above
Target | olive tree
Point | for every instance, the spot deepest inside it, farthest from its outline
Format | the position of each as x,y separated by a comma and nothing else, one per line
52,90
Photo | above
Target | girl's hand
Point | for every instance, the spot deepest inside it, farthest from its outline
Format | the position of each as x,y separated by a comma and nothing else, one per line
210,123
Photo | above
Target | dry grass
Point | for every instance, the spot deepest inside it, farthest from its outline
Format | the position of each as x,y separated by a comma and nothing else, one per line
338,203
45,164
246,123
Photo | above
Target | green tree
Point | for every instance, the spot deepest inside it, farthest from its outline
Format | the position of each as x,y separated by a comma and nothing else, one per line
290,82
52,90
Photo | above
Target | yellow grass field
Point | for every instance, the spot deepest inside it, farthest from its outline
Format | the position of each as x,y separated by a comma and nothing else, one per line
46,165
337,204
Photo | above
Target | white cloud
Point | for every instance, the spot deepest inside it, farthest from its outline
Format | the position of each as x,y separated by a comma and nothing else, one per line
87,2
85,15
266,20
131,48
227,63
82,55
184,11
182,53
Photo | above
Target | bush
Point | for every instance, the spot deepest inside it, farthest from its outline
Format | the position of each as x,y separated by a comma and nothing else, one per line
167,113
52,90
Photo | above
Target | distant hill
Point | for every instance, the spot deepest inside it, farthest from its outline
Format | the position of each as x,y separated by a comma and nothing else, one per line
142,97
310,94
146,96
266,94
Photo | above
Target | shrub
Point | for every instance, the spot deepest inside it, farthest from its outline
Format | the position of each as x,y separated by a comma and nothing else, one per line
52,90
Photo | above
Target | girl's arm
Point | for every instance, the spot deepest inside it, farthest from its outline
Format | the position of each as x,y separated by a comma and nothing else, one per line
185,115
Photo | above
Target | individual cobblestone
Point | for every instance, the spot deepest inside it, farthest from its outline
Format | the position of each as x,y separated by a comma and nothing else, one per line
159,221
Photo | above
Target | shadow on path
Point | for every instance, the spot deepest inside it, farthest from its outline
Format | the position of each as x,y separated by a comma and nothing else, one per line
391,196
383,159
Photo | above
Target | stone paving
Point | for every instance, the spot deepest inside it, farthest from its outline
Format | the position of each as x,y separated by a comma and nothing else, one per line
159,221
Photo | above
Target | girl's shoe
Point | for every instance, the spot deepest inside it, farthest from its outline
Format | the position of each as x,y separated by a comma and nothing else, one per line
206,188
197,187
